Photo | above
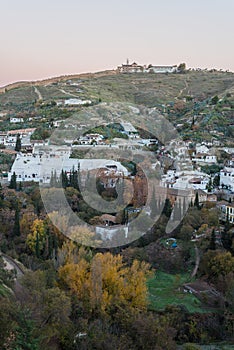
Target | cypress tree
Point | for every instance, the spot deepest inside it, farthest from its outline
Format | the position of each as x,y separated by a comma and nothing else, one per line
53,179
153,206
177,211
18,144
16,228
167,208
20,186
37,247
212,245
64,179
184,206
196,202
13,184
1,197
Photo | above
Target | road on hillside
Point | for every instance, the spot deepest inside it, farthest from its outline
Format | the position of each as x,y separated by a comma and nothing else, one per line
11,264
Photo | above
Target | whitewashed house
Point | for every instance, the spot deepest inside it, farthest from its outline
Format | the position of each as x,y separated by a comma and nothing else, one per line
226,211
3,138
185,180
15,120
129,130
72,102
227,178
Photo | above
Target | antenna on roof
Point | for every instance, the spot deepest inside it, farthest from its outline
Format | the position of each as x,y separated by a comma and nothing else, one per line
127,62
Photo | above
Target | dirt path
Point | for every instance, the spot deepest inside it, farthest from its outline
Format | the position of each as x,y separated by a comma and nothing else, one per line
68,93
184,89
38,93
198,258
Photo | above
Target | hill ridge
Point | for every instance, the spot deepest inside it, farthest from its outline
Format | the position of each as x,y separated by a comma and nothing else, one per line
18,84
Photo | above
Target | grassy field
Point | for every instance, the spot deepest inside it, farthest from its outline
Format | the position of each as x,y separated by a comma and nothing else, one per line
165,289
18,96
150,89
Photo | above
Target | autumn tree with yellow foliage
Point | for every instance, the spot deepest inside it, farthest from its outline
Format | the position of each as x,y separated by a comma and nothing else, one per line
106,282
43,238
37,238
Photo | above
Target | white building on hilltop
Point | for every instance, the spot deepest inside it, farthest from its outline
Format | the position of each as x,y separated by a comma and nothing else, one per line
130,68
162,69
137,68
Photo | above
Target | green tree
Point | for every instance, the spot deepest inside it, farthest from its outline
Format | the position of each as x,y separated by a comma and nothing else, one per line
182,68
196,202
167,208
177,210
36,240
50,306
214,100
18,144
25,338
209,186
13,184
216,181
64,179
53,179
217,264
212,245
153,206
16,228
1,197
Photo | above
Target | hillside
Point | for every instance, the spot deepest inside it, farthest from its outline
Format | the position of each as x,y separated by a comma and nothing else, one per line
199,103
165,289
146,89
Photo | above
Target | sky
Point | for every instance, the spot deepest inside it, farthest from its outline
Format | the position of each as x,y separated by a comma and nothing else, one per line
46,38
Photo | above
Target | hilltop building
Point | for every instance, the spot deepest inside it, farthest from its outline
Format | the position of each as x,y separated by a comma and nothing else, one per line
136,68
131,68
162,69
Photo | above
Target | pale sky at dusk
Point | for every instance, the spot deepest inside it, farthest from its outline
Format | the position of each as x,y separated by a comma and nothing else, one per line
47,38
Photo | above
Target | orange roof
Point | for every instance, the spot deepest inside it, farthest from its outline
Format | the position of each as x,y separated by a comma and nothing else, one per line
8,151
21,131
